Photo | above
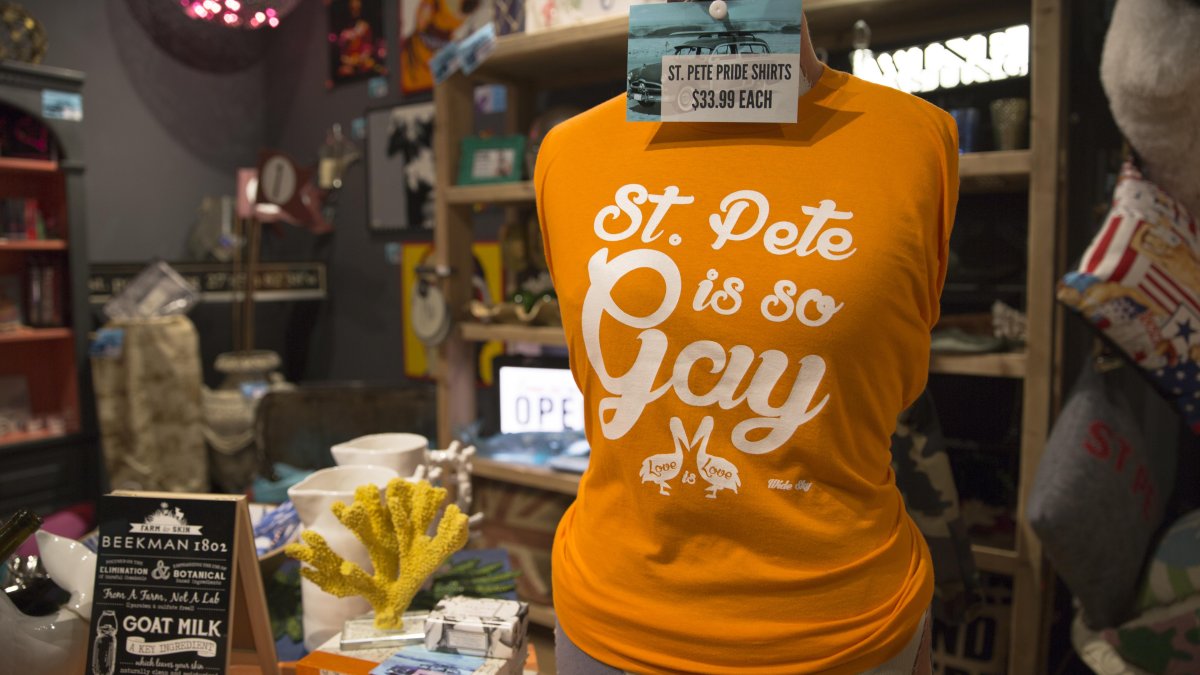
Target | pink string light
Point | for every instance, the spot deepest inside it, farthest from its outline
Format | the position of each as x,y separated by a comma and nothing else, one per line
238,13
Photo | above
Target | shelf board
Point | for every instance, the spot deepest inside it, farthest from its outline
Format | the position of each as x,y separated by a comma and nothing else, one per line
542,615
1010,364
999,171
995,560
529,476
502,193
12,441
35,334
1003,171
557,54
28,165
486,332
1006,364
554,53
33,245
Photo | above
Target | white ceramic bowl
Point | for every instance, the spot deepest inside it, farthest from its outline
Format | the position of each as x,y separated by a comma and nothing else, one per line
402,453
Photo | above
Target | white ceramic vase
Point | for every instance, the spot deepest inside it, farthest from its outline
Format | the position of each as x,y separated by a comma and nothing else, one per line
403,453
313,497
55,644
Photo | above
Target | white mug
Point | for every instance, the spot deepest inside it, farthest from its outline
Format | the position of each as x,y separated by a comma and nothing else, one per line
403,453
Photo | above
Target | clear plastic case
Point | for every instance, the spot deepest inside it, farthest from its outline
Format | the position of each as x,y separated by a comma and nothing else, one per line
156,291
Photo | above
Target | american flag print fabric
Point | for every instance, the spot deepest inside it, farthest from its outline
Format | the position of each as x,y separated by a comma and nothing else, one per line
1138,283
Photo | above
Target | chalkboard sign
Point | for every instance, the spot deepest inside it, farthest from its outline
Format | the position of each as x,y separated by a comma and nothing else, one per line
173,573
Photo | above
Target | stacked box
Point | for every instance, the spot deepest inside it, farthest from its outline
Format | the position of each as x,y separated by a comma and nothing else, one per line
488,627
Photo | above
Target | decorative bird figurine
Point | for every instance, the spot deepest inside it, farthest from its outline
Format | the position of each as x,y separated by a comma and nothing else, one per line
665,467
720,473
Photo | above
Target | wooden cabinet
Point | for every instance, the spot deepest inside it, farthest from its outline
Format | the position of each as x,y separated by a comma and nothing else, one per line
528,64
54,464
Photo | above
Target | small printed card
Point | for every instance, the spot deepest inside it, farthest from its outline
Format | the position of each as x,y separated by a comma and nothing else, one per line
685,66
476,47
465,55
416,660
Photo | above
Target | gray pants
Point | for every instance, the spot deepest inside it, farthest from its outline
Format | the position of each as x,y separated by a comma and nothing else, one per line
572,660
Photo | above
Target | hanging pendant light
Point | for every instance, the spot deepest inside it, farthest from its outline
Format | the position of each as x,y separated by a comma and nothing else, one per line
249,14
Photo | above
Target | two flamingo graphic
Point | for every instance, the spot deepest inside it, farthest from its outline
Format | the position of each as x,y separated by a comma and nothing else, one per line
719,473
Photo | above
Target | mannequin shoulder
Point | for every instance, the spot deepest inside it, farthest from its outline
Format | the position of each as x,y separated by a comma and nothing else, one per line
586,134
906,110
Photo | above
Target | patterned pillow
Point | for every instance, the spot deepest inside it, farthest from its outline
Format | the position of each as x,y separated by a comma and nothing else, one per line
1173,572
925,479
1098,497
1139,284
1162,641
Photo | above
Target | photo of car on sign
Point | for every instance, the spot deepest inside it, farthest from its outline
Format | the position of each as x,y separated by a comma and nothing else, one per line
730,52
645,83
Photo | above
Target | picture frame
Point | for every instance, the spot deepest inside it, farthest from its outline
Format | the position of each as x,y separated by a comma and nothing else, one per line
357,42
399,150
425,26
498,159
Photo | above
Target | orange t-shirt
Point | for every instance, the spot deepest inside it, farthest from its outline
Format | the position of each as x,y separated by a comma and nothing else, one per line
747,309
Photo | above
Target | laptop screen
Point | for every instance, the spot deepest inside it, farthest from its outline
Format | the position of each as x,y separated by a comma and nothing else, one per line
538,397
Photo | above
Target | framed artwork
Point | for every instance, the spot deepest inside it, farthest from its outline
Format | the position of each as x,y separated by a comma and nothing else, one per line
400,170
488,280
499,159
357,46
425,27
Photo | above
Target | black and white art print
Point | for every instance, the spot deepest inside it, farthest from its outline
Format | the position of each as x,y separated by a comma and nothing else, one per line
400,170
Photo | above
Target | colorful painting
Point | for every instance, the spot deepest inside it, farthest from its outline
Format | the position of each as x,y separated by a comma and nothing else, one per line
425,27
357,47
419,358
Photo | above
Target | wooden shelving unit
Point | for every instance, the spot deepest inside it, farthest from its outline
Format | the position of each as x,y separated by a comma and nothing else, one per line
1004,364
597,49
542,335
28,246
26,438
33,165
542,615
47,469
597,52
36,334
1002,171
1006,171
529,476
504,193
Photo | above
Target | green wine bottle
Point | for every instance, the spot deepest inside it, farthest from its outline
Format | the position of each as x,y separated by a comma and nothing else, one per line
16,530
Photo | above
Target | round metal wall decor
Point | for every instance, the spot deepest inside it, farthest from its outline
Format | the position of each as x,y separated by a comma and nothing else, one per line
22,38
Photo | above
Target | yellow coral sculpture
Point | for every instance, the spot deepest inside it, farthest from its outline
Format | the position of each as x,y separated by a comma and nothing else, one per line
394,533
